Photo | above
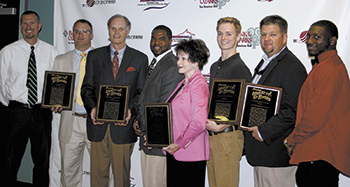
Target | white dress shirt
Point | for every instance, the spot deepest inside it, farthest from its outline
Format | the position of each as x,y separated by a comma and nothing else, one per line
14,68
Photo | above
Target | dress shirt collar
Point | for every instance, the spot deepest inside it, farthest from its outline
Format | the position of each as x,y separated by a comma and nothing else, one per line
120,53
77,52
159,57
322,57
35,45
267,60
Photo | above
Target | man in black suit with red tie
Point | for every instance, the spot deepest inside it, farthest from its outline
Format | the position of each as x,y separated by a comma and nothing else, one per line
116,64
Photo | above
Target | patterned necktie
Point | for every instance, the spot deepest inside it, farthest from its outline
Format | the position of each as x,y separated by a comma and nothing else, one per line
81,77
151,67
32,79
115,64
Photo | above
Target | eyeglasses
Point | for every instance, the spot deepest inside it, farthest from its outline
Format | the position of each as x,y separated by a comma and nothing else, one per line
84,31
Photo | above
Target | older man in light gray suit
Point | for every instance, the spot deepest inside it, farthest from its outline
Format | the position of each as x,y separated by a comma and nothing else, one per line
161,81
72,133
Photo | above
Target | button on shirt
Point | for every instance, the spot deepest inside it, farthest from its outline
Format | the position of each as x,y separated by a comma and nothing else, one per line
76,67
14,68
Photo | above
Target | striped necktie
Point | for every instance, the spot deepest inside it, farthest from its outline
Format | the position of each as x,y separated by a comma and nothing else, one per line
115,64
32,79
151,67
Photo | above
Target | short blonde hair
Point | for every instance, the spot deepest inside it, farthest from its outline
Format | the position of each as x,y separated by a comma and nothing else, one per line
235,22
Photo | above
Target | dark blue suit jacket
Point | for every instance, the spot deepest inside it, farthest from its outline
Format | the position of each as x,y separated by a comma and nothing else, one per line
132,72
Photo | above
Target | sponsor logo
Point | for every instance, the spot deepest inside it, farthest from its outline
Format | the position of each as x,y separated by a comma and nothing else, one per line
250,38
153,4
92,3
217,4
68,34
135,37
302,38
184,35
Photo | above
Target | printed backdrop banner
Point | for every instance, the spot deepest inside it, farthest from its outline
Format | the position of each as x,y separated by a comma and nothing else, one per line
196,19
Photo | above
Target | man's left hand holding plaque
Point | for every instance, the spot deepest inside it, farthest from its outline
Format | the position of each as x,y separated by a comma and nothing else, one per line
58,90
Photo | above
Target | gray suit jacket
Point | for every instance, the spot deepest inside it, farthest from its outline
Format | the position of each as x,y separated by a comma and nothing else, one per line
132,72
157,89
64,62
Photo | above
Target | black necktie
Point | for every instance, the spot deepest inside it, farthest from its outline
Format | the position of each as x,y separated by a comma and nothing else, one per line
32,79
151,67
259,72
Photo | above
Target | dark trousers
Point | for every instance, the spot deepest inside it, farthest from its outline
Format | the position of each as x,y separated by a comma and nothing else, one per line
3,139
183,174
317,173
28,123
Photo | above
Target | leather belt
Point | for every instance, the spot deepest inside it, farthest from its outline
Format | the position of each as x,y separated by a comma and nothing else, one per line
228,129
80,115
22,105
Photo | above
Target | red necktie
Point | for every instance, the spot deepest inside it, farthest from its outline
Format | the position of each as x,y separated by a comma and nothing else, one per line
115,64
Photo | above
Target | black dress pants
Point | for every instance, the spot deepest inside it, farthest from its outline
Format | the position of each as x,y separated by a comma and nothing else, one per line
25,123
317,173
3,139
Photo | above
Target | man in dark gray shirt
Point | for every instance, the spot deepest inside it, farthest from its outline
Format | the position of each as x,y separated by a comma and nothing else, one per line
223,166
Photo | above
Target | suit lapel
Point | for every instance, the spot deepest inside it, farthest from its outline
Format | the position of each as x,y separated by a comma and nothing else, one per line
124,64
272,65
70,60
107,64
258,67
159,67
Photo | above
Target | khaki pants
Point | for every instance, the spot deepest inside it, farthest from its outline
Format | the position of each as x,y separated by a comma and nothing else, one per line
225,154
72,154
105,154
153,170
274,176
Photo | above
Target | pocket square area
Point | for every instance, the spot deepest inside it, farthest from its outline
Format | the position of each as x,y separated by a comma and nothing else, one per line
131,69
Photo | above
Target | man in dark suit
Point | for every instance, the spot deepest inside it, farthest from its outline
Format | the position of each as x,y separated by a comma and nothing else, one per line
116,64
279,67
162,79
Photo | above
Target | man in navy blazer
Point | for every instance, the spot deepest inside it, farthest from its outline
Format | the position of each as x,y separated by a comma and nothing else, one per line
112,143
279,67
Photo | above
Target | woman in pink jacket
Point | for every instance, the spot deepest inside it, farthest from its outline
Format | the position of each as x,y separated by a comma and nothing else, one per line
186,157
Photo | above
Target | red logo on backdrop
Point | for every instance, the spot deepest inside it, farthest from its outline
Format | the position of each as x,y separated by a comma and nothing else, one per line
90,3
303,36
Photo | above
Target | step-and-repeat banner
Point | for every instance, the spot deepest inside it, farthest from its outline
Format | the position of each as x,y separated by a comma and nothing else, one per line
195,19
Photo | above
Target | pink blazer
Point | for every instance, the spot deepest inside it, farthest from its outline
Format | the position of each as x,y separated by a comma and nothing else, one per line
189,115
